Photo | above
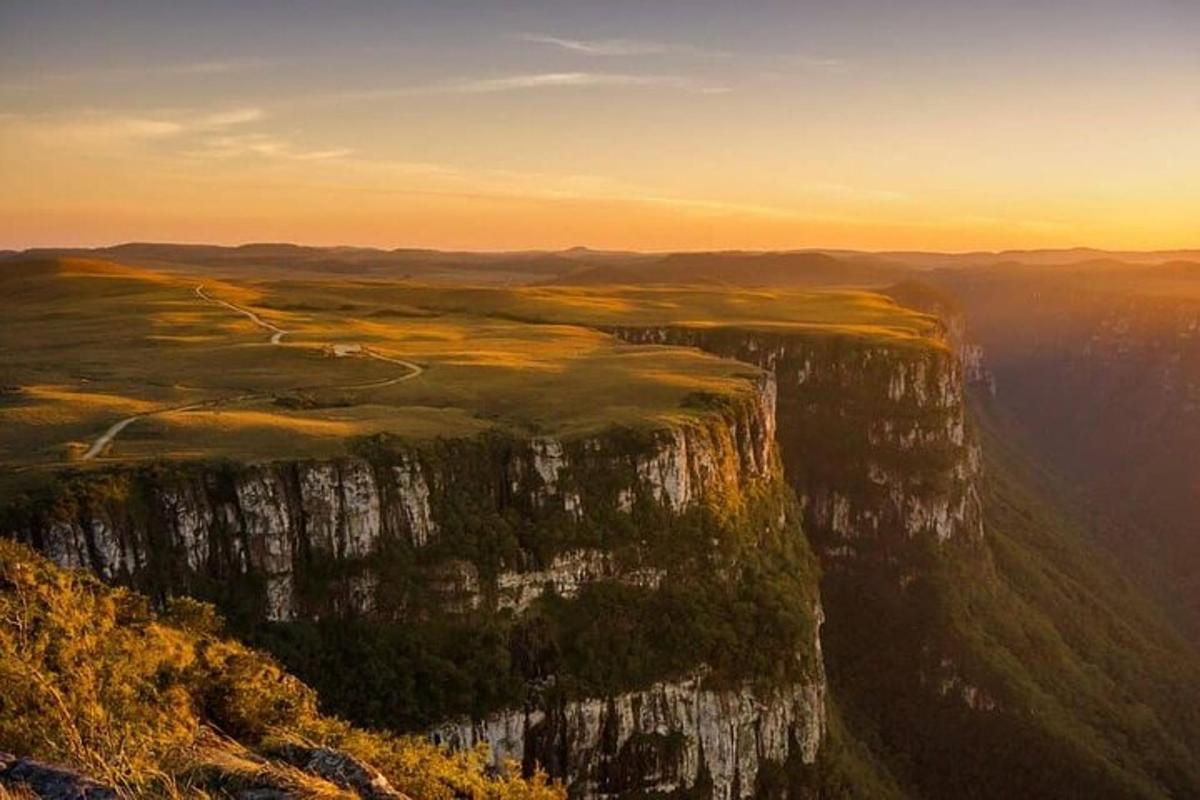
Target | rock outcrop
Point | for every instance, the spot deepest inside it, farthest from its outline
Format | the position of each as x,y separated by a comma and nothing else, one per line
672,737
342,770
49,781
873,433
171,529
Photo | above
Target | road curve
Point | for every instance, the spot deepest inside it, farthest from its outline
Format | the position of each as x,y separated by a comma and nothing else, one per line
277,335
110,434
107,436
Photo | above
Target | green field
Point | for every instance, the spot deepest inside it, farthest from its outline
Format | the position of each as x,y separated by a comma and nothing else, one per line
87,344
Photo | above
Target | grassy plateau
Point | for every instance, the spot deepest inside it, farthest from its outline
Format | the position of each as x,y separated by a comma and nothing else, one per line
255,369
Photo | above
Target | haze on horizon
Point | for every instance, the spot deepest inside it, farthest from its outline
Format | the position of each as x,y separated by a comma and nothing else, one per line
867,124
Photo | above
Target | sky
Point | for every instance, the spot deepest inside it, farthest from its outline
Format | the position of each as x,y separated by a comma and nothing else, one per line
665,125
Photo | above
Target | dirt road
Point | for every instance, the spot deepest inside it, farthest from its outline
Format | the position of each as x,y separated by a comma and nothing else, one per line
277,334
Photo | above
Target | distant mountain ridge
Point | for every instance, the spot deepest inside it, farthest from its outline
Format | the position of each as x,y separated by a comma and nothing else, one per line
586,266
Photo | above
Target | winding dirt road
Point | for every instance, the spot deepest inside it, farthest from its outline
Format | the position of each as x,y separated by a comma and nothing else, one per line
277,334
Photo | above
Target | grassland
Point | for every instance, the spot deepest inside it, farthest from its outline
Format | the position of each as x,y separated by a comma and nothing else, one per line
87,344
840,311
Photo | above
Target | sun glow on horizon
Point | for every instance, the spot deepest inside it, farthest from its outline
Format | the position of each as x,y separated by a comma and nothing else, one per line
502,129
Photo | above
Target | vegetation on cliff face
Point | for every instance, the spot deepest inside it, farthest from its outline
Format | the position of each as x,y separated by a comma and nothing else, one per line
709,567
164,705
975,647
745,614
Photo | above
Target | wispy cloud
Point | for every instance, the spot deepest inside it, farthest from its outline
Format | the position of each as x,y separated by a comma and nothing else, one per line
261,145
615,47
219,134
215,67
547,80
794,64
235,116
822,63
526,82
91,126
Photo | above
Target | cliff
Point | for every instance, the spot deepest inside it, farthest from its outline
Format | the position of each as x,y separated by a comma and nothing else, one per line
637,610
634,610
170,528
514,540
873,433
673,736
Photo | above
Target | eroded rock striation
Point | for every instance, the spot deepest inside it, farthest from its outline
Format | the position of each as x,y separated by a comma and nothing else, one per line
873,434
174,528
673,736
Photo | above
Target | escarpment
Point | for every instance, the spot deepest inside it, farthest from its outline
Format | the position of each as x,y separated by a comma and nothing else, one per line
872,432
640,599
635,610
672,736
492,520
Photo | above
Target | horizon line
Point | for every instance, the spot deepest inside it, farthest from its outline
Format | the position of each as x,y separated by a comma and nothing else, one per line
11,250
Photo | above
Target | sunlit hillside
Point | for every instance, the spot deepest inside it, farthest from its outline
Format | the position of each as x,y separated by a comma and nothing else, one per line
91,344
164,705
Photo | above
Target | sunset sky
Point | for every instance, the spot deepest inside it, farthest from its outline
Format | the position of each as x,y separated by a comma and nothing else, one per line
874,124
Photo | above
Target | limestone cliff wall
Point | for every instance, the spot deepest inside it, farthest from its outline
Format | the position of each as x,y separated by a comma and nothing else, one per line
389,534
674,736
279,524
873,433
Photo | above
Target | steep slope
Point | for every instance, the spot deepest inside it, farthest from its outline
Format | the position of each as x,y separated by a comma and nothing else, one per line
1098,370
972,642
573,579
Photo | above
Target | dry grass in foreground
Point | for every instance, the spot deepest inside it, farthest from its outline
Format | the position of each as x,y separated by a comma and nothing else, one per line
164,706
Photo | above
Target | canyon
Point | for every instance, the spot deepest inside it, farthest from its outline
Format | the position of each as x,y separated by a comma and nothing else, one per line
313,540
799,565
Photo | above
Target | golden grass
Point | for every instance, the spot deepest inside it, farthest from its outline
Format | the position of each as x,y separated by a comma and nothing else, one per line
91,342
17,793
239,420
57,405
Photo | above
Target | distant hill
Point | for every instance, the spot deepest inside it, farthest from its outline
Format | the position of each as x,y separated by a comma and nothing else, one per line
270,259
1043,258
582,266
746,269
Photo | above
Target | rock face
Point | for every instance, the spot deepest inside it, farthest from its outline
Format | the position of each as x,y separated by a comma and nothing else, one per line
870,435
342,770
173,530
673,736
566,574
874,439
873,436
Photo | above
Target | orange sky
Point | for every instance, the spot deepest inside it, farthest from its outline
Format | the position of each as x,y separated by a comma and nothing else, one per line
636,130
